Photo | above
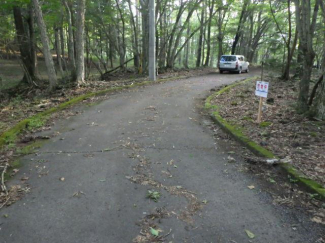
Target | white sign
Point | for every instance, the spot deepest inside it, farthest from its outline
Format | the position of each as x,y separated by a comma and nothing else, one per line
262,89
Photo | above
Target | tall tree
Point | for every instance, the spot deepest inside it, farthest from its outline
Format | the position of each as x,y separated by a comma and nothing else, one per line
319,107
71,52
306,22
242,20
200,42
211,10
46,46
29,63
80,42
287,38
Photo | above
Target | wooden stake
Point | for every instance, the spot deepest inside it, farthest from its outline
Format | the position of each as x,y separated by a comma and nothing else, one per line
259,117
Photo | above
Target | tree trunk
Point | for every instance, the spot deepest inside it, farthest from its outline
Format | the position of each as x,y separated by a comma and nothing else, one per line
187,46
122,47
320,99
135,39
299,62
145,35
58,49
163,41
242,20
71,53
80,58
286,73
199,49
306,23
46,46
211,8
24,47
32,40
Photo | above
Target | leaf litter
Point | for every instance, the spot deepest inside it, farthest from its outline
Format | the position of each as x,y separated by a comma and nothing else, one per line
292,137
145,177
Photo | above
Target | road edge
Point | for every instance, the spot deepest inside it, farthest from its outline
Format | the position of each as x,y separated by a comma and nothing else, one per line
10,136
237,133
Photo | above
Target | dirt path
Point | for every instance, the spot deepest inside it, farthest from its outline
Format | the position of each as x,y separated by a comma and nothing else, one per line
145,139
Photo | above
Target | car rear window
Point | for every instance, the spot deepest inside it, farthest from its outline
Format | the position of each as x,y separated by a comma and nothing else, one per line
228,58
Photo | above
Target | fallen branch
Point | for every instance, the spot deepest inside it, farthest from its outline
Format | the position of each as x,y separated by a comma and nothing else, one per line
314,91
114,69
5,203
3,185
168,233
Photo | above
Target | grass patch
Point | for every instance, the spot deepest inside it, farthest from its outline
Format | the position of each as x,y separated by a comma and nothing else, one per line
247,118
265,124
30,148
37,122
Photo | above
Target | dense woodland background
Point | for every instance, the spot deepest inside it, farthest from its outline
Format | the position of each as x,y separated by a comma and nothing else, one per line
55,42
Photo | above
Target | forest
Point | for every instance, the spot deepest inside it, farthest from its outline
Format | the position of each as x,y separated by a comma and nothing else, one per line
59,42
124,121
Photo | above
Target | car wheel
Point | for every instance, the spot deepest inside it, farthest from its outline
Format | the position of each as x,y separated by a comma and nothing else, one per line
221,72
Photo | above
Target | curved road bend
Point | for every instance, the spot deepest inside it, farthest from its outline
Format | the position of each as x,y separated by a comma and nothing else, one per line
152,139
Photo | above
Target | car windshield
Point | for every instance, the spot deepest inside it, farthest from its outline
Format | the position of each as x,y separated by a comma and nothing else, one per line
228,58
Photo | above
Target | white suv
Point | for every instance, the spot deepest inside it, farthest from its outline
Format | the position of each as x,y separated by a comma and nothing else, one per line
233,63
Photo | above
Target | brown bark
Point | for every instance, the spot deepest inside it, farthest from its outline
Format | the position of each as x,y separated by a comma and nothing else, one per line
242,20
71,50
306,22
46,46
211,8
80,42
200,42
24,47
320,98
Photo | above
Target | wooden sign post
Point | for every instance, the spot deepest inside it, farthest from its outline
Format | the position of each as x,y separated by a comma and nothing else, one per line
260,107
259,116
262,89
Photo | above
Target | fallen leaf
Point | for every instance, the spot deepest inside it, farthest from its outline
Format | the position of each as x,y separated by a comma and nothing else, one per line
205,201
5,215
250,234
231,159
15,171
272,161
318,220
62,179
154,232
251,187
78,194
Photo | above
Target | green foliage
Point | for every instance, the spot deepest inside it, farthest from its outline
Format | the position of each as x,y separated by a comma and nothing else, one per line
37,122
154,195
265,124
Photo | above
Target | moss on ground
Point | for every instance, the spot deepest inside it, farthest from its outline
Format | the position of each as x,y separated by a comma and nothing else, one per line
247,118
265,124
13,165
238,133
9,137
31,148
